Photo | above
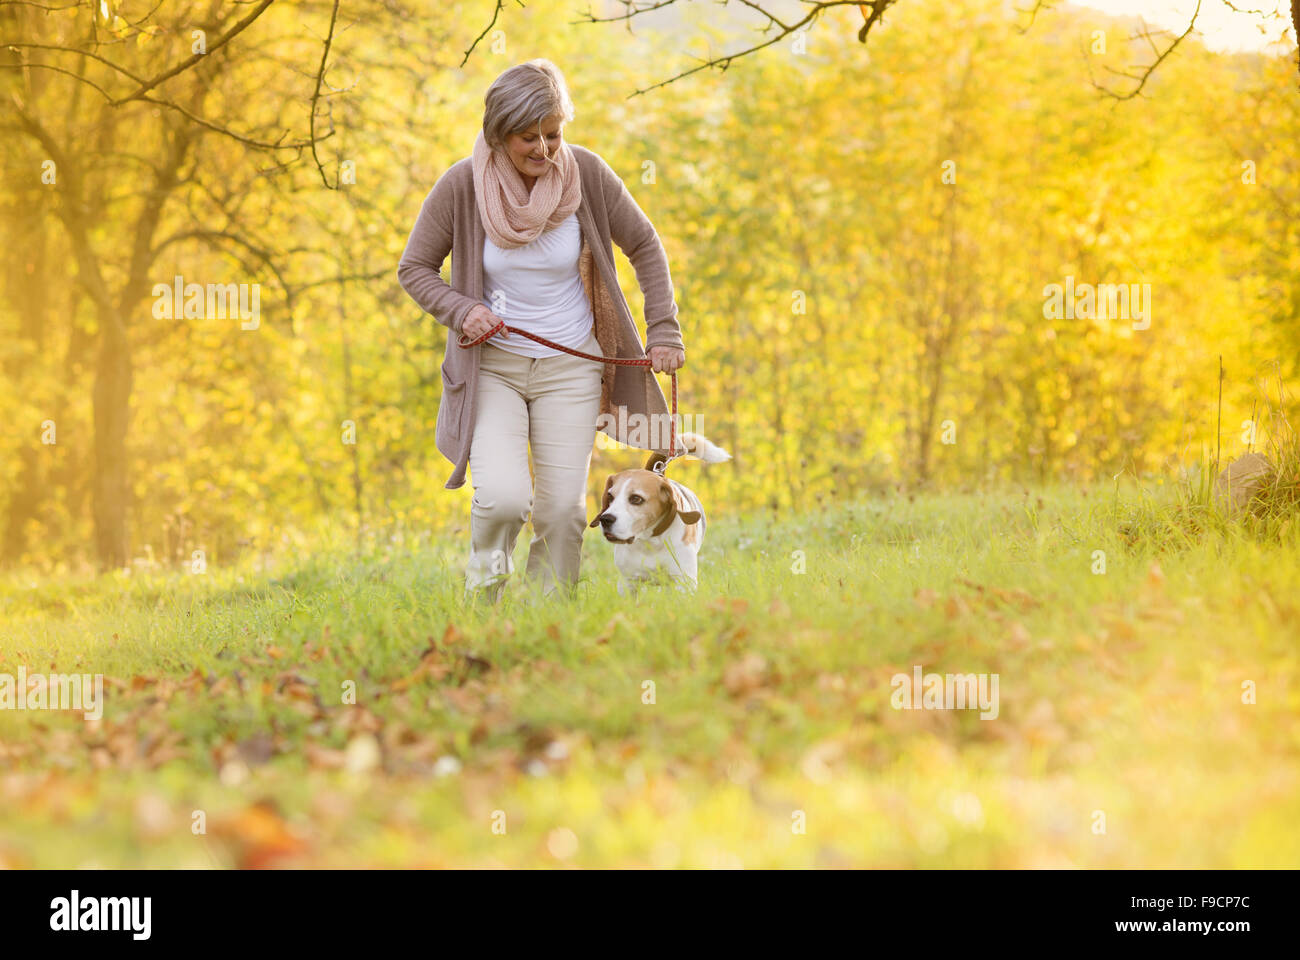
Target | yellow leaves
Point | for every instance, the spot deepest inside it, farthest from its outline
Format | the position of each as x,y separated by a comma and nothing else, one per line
1154,603
323,758
468,701
735,606
745,675
1099,654
148,32
818,760
171,747
831,682
1018,636
432,666
1040,726
956,606
154,817
1019,599
362,754
610,628
1155,576
406,682
258,837
732,610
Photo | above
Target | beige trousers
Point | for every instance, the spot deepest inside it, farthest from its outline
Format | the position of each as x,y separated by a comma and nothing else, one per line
550,403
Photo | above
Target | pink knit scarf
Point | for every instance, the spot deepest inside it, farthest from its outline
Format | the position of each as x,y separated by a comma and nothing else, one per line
511,214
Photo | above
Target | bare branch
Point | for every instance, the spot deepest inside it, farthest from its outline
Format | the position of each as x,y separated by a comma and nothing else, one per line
630,12
1033,14
495,13
38,6
81,53
771,19
877,11
211,236
1254,13
145,85
49,66
315,96
1145,75
344,278
184,65
226,132
872,11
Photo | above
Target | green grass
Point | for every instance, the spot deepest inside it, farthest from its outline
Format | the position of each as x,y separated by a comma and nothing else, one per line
1119,692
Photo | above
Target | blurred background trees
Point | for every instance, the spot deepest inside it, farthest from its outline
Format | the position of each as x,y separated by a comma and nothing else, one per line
860,239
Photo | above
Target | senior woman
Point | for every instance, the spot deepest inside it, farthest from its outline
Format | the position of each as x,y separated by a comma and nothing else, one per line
528,220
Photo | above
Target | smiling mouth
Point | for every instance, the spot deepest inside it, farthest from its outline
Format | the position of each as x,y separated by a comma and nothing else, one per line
613,539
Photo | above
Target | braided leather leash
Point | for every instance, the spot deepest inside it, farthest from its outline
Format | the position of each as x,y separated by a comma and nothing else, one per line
504,329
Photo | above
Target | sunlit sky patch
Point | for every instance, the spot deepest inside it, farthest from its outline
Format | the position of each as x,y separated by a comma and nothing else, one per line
1218,26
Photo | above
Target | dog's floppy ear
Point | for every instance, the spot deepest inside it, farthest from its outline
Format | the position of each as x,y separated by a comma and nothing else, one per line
672,508
605,501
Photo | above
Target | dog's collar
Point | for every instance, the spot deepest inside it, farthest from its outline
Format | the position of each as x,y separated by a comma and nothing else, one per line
666,521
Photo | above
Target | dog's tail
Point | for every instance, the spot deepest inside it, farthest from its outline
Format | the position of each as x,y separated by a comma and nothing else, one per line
698,447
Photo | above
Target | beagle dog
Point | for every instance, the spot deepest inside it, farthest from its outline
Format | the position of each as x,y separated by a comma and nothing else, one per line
655,523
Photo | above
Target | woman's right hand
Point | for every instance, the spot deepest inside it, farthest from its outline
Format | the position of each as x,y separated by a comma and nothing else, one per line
479,321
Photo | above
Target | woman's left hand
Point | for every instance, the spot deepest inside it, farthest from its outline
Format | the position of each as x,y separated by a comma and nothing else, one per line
667,359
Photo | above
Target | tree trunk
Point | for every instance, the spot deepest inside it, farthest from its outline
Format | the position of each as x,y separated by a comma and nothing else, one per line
28,280
112,400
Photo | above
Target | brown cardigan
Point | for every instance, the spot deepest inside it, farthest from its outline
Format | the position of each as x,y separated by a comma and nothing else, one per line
449,222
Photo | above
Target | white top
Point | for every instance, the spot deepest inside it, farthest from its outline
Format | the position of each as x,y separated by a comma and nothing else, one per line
537,288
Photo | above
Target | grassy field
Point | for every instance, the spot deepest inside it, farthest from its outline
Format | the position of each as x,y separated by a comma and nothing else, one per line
520,736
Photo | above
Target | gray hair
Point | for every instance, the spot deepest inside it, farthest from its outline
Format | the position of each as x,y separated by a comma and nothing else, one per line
521,98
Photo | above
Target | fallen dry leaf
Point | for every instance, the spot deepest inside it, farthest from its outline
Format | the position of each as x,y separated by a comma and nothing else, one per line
1155,576
1018,634
258,837
744,675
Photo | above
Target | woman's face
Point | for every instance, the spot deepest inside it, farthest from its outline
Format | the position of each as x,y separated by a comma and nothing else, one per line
529,152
